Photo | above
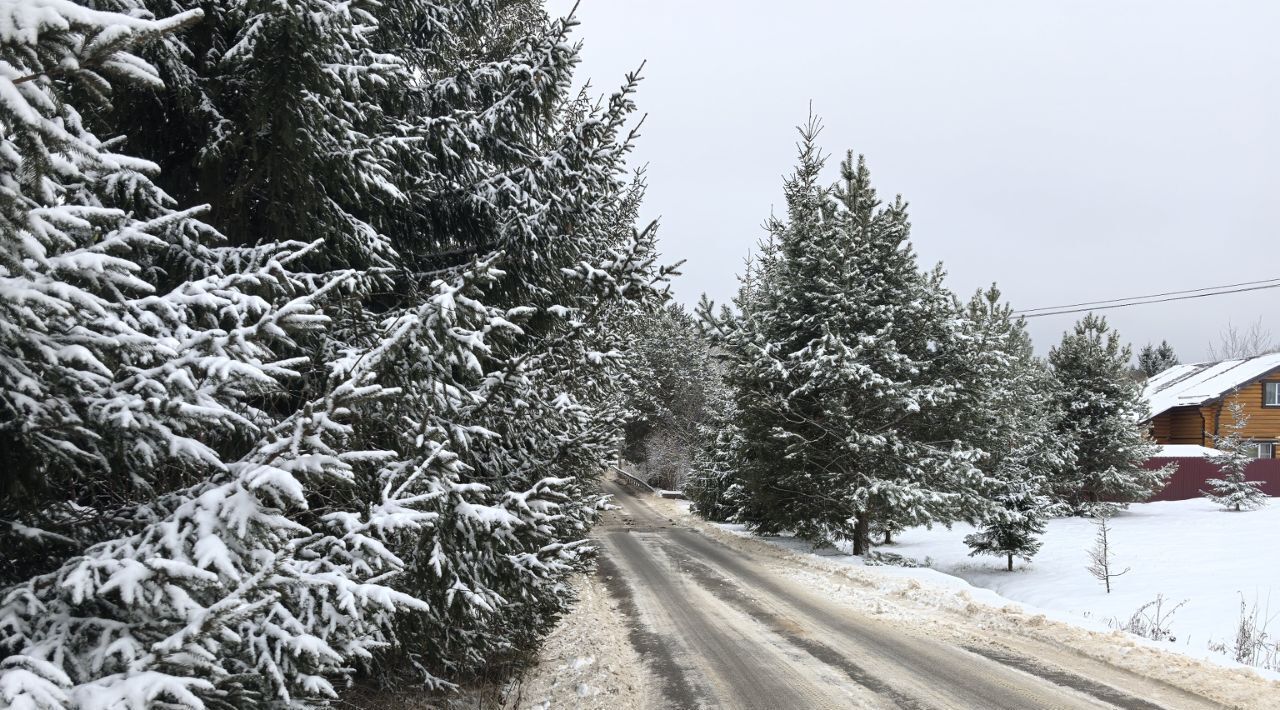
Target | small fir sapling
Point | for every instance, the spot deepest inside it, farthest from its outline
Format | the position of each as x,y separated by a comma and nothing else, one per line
1100,565
1015,524
1232,491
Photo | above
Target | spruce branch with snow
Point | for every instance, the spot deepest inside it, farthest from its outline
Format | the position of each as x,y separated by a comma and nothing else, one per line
142,357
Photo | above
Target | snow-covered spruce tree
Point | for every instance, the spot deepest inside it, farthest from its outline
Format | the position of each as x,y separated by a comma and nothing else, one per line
1232,491
676,391
452,435
713,488
837,370
1153,360
154,518
715,484
1100,412
446,133
548,193
1003,409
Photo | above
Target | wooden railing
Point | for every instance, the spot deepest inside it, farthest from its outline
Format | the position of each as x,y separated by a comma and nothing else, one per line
630,480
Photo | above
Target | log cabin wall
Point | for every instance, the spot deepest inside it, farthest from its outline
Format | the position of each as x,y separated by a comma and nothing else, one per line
1180,425
1160,428
1264,422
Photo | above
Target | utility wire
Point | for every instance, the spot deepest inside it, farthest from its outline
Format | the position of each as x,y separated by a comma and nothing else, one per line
1026,311
1144,303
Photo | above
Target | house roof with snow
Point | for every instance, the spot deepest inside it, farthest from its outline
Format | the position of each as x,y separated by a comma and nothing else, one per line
1200,383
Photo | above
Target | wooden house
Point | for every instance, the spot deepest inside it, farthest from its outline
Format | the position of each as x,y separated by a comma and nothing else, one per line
1188,403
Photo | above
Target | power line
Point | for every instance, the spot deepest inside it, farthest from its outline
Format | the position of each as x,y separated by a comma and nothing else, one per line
1144,303
1026,311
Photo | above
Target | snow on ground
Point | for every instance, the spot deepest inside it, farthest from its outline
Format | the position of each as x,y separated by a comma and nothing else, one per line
957,612
588,661
1185,550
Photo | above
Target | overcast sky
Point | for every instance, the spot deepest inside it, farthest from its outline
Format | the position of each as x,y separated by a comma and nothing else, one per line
1070,151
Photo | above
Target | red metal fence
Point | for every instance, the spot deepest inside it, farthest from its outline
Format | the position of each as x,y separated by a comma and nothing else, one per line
1192,473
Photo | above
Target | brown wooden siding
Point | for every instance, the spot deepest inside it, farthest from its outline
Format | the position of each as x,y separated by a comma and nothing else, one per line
1264,422
1180,425
1199,425
1185,426
1160,428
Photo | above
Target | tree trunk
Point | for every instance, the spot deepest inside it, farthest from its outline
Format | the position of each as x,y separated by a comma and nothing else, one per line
1010,561
861,535
888,537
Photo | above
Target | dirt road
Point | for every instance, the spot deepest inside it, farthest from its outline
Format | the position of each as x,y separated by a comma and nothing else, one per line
724,626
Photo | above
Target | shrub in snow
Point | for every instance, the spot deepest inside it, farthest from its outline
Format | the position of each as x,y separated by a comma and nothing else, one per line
878,558
1232,491
1253,645
1152,620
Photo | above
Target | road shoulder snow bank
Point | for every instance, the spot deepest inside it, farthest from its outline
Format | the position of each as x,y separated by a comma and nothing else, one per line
587,663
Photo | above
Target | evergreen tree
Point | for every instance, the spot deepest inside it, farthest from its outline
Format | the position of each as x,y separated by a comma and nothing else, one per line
835,362
1154,360
677,390
715,487
273,114
1004,411
1232,491
277,495
1014,526
1101,410
156,528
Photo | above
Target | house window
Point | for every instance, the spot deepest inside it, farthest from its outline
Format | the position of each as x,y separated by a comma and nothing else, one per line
1266,449
1271,394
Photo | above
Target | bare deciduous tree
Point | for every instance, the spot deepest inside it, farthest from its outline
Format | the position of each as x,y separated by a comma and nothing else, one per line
1100,555
1235,343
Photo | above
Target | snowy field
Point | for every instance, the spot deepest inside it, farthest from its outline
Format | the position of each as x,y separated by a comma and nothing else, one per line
1185,550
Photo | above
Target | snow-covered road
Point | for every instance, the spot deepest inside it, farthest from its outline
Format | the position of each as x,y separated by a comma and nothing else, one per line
725,622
